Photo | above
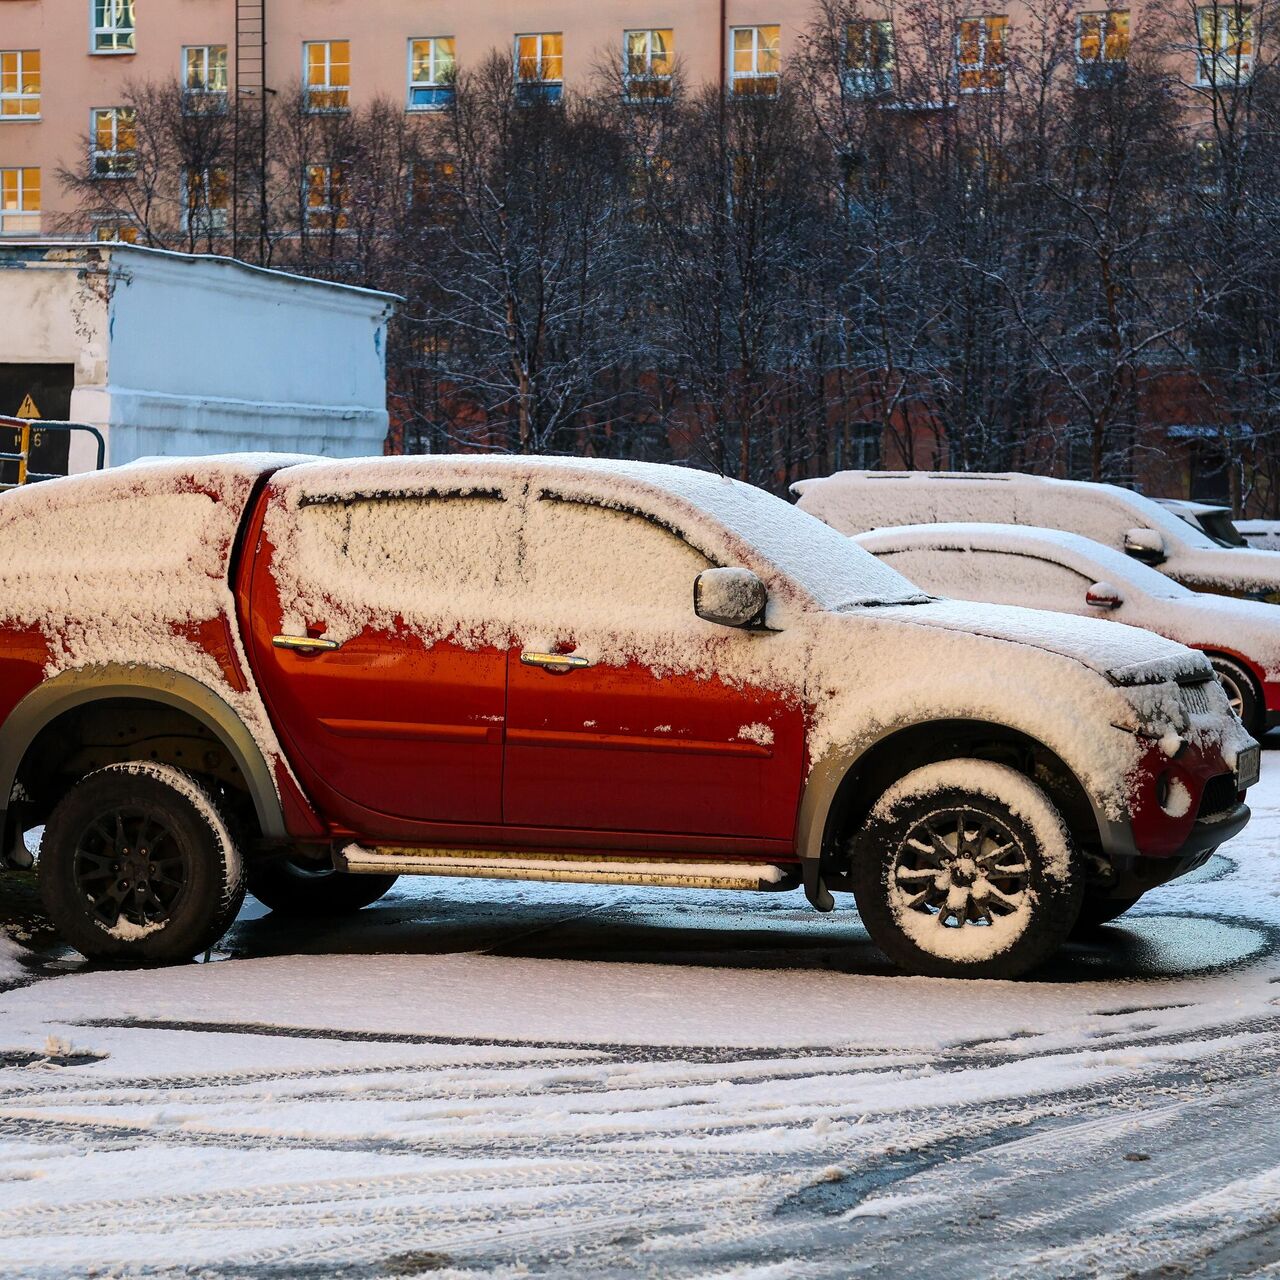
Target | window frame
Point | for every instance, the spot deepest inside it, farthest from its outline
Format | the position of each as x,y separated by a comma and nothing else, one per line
20,213
114,171
311,92
441,92
20,96
339,213
1232,71
660,81
203,218
112,222
114,29
755,76
873,77
195,101
1090,70
985,70
542,88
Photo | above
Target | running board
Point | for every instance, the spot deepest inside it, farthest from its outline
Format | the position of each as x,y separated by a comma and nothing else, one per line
568,868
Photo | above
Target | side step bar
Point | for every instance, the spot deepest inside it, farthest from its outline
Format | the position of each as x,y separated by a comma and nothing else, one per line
569,868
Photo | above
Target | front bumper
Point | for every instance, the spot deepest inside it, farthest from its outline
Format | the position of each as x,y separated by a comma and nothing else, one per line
1133,873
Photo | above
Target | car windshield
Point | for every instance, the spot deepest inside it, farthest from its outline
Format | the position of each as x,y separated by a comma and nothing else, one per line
828,566
1218,525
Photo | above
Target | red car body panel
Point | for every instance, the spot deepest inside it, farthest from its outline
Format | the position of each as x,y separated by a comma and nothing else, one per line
399,741
1160,832
392,740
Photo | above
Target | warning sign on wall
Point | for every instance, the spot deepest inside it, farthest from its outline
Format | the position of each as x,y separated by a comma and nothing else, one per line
36,392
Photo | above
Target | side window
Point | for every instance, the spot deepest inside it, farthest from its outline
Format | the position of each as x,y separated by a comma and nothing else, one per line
1028,581
586,562
992,576
439,559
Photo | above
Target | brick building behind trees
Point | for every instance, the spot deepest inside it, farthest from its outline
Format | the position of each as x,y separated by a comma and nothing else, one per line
937,233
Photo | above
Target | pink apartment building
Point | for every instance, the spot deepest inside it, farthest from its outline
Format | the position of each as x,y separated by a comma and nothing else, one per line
64,63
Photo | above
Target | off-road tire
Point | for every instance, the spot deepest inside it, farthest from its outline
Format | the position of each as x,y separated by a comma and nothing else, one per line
1242,691
1096,910
295,887
996,808
193,864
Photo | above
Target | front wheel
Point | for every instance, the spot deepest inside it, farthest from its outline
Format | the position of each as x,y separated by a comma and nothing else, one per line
1242,693
300,886
137,864
965,869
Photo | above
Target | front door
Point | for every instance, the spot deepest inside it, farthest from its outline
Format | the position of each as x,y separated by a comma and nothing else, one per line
401,720
643,727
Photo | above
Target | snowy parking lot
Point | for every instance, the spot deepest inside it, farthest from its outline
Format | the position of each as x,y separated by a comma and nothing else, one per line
471,1079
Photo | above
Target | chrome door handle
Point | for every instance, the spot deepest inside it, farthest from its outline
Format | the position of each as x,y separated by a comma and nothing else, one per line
306,644
556,663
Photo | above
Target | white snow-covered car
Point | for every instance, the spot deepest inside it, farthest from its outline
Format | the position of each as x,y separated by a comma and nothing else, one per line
1263,534
857,501
1212,520
1063,572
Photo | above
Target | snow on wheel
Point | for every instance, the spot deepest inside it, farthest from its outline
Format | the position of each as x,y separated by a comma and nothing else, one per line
137,864
296,885
965,869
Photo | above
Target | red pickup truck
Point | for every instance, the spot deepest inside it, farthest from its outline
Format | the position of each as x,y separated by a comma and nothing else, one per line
312,677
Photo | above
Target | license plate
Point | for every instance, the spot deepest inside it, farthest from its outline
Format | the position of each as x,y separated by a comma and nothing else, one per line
1248,767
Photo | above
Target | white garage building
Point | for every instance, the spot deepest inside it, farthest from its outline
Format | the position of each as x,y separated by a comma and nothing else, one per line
181,354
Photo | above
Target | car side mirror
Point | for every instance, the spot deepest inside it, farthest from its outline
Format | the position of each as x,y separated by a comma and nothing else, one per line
1102,595
1146,545
729,597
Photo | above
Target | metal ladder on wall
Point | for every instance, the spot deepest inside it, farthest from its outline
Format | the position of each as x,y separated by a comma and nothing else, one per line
249,163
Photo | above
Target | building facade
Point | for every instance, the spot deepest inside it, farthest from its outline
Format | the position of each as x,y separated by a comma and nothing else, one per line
65,64
259,361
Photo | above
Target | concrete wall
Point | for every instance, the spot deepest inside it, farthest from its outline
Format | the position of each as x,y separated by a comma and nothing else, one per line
177,354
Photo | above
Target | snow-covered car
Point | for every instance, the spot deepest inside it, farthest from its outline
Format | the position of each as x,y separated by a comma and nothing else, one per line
1263,534
328,674
857,501
1214,522
1049,569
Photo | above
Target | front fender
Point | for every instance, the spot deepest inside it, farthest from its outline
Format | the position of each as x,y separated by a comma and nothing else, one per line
815,835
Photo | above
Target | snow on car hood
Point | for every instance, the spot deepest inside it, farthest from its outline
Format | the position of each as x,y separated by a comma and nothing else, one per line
1250,628
1244,569
1124,655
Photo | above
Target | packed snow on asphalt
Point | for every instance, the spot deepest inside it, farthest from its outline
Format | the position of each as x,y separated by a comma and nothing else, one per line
510,1080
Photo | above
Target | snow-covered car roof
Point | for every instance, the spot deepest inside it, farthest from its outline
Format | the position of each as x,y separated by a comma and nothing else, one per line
1085,556
701,505
847,499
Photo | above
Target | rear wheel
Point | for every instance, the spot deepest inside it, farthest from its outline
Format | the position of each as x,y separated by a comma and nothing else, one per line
1241,692
137,864
966,869
300,886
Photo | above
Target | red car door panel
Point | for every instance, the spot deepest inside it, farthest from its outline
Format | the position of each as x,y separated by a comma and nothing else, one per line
628,741
618,748
398,721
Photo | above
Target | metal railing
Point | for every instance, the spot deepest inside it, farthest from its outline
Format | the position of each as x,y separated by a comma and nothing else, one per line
28,431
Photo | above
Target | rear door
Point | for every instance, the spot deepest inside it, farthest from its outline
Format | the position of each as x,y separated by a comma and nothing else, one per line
624,736
397,715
